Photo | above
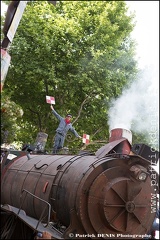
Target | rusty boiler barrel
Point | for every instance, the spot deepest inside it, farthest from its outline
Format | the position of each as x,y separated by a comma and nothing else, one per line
103,193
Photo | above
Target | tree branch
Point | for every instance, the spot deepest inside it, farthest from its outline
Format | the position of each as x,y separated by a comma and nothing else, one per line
98,130
81,107
39,119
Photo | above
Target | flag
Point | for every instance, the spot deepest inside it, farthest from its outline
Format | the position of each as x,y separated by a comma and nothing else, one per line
85,138
50,100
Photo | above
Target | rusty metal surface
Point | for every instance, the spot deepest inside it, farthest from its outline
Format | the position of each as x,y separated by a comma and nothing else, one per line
41,175
66,184
87,194
36,176
114,203
118,133
124,148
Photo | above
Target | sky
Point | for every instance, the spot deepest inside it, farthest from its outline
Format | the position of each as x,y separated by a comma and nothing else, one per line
146,32
3,8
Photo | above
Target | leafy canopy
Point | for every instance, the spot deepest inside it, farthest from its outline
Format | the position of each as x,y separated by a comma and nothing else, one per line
81,53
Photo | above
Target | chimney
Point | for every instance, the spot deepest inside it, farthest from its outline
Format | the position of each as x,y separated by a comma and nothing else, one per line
120,141
118,134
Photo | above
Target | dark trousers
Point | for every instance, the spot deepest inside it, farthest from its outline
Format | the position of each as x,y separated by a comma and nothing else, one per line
58,142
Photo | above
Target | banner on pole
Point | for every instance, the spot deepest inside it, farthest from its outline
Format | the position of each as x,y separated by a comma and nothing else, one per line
50,100
85,138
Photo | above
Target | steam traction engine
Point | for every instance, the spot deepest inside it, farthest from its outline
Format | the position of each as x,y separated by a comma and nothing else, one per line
110,194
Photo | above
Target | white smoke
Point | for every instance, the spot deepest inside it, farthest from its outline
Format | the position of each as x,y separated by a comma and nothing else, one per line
137,108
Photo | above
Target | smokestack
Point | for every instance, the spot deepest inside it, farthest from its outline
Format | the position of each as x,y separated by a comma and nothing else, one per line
120,142
118,134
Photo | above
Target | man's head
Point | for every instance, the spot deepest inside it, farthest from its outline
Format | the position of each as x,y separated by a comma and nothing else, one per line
68,118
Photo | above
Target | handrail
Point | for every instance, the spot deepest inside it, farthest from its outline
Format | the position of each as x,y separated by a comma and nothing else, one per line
49,207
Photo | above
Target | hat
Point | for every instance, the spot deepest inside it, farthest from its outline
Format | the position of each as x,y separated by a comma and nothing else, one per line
69,115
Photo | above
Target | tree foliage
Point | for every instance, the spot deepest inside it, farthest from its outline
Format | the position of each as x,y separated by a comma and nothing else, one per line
11,114
81,53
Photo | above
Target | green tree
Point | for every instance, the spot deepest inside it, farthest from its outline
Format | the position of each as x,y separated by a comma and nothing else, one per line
81,53
11,114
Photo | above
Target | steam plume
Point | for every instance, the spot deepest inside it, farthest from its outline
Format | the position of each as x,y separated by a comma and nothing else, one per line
137,108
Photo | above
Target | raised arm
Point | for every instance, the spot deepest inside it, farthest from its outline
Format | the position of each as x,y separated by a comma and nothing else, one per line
55,113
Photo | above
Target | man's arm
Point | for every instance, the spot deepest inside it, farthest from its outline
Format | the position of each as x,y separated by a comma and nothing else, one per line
75,132
55,113
52,107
